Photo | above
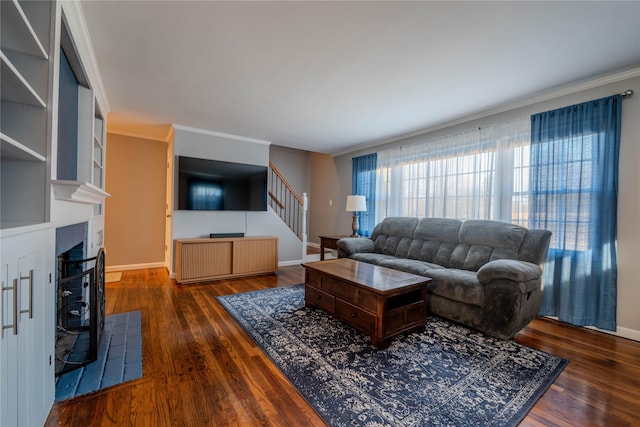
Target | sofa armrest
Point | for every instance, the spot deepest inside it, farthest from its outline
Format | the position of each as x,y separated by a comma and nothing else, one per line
517,271
354,245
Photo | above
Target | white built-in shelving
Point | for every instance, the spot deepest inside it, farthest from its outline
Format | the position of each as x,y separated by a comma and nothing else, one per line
26,67
34,197
25,114
98,149
98,156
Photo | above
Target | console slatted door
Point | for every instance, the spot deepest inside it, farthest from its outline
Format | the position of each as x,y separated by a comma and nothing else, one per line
200,260
255,255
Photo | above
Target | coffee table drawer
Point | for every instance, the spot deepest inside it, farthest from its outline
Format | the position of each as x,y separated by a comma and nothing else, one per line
356,317
320,299
367,300
313,278
339,288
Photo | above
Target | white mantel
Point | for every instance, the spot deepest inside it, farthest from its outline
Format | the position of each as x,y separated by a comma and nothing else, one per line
78,191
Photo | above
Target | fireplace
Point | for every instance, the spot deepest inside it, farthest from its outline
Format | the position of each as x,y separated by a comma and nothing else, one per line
79,299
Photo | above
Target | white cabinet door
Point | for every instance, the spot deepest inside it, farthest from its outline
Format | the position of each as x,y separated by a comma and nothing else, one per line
9,344
26,349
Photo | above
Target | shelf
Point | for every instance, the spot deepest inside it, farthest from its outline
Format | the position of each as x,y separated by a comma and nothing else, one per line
15,87
13,150
97,174
7,225
97,153
98,129
17,33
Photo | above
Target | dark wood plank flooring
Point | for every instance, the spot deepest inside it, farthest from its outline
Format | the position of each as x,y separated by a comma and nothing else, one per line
201,369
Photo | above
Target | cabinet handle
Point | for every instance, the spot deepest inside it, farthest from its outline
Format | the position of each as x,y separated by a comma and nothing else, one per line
13,288
15,306
30,309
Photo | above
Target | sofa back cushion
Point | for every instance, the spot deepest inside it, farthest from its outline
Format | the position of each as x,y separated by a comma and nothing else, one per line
434,240
535,246
393,236
481,241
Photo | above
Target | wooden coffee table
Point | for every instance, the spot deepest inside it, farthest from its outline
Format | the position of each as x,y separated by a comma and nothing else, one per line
379,301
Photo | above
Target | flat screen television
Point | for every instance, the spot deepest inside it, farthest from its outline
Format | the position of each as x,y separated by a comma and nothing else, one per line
213,185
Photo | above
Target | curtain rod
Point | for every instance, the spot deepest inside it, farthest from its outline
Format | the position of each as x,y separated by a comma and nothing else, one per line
627,93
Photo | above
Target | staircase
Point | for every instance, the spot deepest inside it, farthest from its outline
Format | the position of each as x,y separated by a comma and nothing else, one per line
288,205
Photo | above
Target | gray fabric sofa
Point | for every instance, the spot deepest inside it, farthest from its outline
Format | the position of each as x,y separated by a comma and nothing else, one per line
486,274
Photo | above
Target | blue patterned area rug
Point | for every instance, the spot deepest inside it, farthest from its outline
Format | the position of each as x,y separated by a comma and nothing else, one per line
119,358
447,375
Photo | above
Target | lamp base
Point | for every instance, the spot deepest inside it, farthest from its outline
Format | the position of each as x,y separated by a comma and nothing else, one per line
355,226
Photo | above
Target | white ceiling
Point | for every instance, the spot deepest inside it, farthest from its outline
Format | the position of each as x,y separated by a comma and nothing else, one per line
326,76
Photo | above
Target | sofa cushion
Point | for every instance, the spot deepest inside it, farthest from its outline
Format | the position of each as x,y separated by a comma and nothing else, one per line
492,233
409,265
457,285
371,258
466,257
439,229
394,236
393,245
535,246
399,226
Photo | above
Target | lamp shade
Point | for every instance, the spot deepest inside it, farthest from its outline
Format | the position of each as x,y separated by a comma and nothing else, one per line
356,204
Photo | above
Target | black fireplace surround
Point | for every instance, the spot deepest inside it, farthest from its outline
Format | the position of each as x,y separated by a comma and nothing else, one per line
79,300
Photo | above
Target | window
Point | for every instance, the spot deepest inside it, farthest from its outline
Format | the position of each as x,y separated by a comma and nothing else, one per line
574,193
520,190
481,174
565,198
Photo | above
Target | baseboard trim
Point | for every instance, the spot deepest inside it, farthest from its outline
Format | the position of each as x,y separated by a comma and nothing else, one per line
134,266
287,263
628,333
621,332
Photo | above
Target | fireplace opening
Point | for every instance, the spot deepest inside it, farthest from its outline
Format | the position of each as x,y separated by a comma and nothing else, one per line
79,305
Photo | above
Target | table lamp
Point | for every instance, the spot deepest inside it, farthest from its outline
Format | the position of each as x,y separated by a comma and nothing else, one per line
356,204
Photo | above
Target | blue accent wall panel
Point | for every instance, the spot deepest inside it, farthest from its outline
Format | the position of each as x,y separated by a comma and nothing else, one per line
67,122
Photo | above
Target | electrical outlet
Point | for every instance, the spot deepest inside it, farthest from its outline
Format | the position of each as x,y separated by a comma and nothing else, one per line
330,202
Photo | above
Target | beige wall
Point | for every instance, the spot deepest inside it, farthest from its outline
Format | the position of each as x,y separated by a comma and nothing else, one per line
327,199
294,165
135,213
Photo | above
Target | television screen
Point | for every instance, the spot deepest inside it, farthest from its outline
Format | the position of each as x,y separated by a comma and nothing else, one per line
213,185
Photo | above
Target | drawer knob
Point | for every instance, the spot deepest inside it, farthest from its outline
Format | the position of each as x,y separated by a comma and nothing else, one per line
354,314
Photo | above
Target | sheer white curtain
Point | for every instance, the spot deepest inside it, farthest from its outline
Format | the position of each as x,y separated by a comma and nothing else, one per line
477,174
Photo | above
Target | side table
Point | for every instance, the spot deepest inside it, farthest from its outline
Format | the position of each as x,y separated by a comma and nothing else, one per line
329,242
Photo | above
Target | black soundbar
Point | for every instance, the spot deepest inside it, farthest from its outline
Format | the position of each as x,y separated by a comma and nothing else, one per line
223,235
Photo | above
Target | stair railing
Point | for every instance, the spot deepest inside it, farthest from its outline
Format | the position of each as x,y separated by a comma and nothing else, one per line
290,207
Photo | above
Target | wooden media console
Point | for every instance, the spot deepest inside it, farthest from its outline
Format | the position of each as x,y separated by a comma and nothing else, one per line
201,260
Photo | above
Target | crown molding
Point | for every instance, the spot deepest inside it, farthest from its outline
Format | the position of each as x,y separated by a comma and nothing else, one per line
543,96
220,134
141,135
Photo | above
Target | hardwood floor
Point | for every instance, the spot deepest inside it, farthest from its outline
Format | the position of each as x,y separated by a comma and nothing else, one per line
201,369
